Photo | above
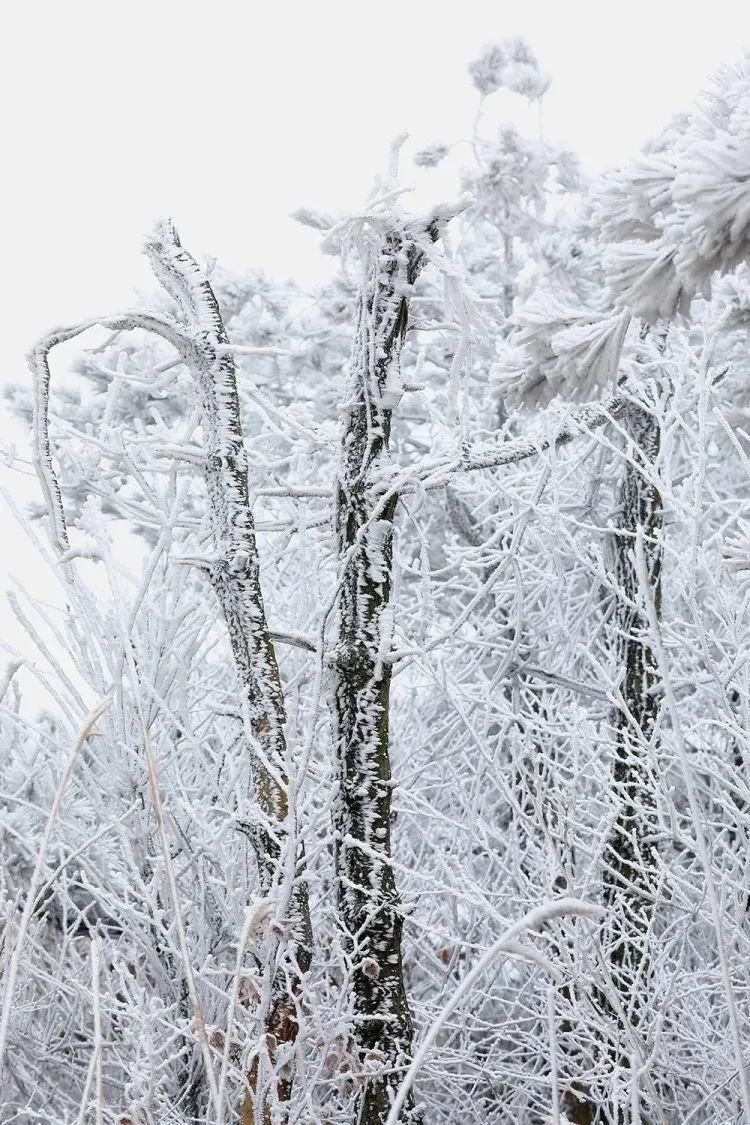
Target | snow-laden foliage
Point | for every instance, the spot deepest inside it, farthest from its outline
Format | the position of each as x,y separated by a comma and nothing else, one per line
510,65
680,214
560,349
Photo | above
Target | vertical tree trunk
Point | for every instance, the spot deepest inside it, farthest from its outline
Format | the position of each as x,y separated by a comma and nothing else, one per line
233,570
629,878
630,872
368,898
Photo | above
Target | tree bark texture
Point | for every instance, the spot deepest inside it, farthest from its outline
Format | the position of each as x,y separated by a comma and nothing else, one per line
234,572
368,898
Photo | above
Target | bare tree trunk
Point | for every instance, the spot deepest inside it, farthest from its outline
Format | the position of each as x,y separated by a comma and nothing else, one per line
630,870
629,879
233,570
368,898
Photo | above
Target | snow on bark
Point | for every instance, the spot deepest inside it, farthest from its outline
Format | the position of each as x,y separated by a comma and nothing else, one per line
368,898
630,863
234,573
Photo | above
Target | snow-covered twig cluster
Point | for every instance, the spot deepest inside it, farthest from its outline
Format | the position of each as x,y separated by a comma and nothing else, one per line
393,759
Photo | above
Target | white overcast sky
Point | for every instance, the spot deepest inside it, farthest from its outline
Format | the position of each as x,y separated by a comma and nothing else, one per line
230,114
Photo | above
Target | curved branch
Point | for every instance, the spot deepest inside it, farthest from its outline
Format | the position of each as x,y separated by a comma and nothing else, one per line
38,361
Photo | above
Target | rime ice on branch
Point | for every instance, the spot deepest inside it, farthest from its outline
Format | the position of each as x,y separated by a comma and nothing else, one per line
233,570
392,258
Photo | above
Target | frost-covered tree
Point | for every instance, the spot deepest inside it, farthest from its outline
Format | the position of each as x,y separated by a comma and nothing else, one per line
409,614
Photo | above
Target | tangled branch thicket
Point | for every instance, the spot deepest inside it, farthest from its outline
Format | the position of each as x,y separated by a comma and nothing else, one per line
394,754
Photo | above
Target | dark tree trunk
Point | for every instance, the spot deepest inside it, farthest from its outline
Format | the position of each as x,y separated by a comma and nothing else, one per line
630,863
368,899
